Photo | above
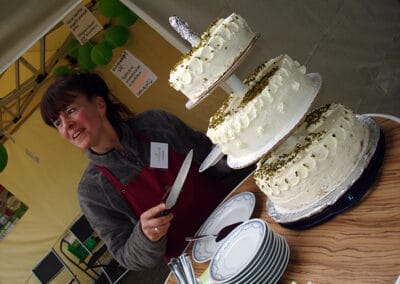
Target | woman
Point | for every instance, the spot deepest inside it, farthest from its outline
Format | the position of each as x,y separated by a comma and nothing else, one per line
120,193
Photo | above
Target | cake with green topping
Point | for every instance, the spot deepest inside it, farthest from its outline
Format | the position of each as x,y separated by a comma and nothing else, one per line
314,160
219,47
278,91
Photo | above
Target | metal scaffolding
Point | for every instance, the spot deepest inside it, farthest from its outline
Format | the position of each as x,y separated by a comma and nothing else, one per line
15,104
22,26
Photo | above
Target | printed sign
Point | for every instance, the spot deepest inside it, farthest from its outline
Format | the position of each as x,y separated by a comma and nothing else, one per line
11,210
133,73
159,155
82,23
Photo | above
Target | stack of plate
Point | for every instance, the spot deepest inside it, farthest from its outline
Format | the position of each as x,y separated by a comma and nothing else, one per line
251,253
236,209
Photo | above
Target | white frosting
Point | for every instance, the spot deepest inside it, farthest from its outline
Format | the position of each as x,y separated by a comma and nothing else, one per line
314,160
243,130
198,70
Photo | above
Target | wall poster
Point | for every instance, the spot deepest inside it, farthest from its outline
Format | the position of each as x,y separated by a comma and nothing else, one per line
11,210
133,73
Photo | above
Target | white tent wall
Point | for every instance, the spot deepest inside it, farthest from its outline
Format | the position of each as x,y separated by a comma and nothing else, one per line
23,23
354,45
47,184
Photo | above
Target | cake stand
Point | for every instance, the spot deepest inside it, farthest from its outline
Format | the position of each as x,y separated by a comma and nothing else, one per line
237,87
233,82
242,162
228,77
347,194
296,119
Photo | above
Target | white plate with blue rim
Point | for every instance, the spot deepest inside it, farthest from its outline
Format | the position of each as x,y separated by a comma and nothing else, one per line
238,250
236,209
257,266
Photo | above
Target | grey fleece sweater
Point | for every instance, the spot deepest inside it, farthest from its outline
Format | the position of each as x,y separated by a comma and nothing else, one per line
108,212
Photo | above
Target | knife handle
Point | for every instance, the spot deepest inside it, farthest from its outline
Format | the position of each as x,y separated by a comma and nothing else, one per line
164,212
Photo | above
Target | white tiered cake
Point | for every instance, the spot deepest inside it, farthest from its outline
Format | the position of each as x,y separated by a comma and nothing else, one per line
303,157
273,105
219,47
314,160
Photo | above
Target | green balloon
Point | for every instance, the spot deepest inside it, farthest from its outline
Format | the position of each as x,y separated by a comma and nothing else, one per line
127,18
3,157
85,64
84,60
116,36
111,8
101,54
72,48
84,51
61,70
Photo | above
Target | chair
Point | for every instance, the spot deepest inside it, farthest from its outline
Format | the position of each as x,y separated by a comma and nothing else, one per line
50,266
84,233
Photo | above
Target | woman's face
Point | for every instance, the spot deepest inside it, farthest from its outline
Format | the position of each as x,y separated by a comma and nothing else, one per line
82,121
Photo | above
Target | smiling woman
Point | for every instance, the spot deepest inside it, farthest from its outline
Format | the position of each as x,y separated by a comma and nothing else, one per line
66,88
121,192
81,123
76,106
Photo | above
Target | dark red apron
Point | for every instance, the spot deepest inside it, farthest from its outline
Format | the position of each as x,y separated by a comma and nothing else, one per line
199,197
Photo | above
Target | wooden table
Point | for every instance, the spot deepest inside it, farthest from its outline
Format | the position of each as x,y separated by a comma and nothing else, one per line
360,245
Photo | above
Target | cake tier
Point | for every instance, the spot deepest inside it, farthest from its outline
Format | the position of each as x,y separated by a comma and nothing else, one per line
274,104
220,45
314,160
353,193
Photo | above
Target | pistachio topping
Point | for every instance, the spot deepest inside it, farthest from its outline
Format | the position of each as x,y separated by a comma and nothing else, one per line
258,88
314,116
252,76
268,168
221,114
204,38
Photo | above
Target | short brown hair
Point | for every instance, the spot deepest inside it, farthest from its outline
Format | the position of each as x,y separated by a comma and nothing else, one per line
63,91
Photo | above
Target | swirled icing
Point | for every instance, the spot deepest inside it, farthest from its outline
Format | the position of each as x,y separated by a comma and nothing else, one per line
276,89
318,156
217,50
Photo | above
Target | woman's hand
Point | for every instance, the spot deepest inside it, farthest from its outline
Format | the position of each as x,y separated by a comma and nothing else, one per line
155,226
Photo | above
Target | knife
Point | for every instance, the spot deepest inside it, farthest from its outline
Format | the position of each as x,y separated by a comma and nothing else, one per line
219,236
178,184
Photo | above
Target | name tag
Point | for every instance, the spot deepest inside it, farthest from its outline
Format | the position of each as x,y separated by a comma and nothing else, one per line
159,155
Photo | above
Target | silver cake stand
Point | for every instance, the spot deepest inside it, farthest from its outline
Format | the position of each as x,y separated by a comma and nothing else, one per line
346,194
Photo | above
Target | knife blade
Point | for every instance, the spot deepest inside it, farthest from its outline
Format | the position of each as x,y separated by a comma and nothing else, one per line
178,183
219,236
